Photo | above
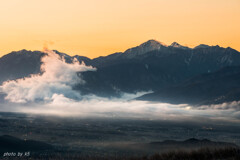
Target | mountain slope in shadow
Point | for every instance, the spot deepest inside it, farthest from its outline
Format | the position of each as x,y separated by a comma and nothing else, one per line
211,88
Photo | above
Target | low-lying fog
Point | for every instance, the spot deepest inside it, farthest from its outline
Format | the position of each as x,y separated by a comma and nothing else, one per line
51,93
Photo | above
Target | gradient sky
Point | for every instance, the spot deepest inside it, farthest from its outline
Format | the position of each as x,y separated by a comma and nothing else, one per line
99,27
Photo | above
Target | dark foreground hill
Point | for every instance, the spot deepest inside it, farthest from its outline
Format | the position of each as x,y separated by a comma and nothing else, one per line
201,154
191,149
12,144
173,146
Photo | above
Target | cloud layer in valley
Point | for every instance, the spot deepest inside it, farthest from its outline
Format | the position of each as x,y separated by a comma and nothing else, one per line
51,93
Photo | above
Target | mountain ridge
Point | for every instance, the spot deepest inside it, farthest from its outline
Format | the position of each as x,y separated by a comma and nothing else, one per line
131,71
152,42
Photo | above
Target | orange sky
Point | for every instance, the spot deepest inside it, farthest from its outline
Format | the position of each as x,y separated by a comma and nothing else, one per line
100,27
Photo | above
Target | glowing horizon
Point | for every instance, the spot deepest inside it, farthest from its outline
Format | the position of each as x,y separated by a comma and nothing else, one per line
97,28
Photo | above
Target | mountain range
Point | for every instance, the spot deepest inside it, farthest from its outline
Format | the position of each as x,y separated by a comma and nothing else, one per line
175,73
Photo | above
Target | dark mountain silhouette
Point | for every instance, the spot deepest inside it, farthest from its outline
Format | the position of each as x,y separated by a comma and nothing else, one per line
193,142
173,145
19,64
170,71
13,144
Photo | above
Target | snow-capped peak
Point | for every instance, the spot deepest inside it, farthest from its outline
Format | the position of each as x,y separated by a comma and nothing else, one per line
177,45
145,47
153,43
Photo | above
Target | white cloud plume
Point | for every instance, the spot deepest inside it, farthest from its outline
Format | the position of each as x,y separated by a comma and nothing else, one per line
57,77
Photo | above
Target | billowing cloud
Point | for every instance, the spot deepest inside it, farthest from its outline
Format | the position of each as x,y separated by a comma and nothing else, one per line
57,77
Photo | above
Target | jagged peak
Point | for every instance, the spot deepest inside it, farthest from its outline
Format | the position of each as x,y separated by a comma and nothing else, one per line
177,45
153,42
145,47
202,46
22,51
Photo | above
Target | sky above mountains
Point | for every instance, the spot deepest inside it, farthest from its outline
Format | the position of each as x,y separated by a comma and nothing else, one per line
96,28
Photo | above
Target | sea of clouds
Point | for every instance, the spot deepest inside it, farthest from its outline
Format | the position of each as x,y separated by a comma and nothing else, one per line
50,92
